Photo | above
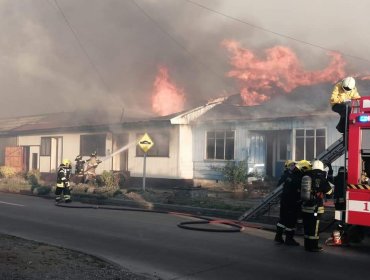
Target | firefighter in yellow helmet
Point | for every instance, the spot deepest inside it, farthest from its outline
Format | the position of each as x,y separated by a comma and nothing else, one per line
289,204
62,190
313,188
343,92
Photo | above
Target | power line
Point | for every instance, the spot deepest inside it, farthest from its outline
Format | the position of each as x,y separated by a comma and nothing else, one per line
74,32
273,32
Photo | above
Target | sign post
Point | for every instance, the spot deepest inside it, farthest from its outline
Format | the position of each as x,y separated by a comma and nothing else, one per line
145,144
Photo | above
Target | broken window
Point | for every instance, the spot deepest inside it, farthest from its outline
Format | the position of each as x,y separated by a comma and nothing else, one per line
309,143
220,145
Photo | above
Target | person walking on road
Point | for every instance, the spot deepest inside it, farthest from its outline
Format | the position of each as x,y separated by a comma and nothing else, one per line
62,190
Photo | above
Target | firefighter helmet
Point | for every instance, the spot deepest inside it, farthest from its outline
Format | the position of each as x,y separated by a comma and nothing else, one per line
317,165
288,163
66,162
304,165
348,84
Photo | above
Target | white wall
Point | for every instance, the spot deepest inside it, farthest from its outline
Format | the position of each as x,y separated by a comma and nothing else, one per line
68,148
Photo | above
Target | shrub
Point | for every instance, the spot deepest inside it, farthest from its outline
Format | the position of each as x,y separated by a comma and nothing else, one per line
33,177
108,179
7,172
235,173
44,190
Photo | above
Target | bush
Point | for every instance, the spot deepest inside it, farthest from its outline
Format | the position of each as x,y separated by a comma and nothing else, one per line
235,173
33,177
7,172
44,190
108,179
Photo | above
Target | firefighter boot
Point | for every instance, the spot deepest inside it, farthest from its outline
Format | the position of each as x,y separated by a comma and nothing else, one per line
289,239
279,235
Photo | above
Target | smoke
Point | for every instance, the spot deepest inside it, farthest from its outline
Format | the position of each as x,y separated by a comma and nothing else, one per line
64,55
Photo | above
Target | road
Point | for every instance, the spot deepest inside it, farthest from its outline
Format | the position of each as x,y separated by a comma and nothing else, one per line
153,244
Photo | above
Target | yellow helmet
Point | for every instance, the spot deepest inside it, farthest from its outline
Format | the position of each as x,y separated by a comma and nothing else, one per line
66,162
288,163
304,165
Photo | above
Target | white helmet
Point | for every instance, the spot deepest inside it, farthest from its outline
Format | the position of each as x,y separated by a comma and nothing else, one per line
318,165
348,84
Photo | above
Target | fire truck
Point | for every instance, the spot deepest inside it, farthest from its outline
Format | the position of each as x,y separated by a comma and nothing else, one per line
357,157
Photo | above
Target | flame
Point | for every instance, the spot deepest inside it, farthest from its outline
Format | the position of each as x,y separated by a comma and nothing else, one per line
280,69
166,97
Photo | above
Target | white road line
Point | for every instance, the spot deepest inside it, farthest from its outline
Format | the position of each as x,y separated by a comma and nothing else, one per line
15,204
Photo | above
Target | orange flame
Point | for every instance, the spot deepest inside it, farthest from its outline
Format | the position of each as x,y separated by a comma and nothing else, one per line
280,69
166,98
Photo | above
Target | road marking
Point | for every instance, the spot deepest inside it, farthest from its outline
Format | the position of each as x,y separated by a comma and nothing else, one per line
15,204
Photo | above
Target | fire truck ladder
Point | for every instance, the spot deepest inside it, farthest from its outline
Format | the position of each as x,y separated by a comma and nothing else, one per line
332,153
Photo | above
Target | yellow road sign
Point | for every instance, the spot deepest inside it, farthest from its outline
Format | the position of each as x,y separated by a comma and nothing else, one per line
145,143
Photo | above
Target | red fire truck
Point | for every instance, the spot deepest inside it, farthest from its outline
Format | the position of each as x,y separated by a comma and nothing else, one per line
357,210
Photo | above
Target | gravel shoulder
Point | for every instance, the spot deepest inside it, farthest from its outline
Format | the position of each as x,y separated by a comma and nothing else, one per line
29,260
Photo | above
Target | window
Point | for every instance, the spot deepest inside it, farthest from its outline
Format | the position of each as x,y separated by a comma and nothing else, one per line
309,143
284,139
220,145
45,148
92,143
161,147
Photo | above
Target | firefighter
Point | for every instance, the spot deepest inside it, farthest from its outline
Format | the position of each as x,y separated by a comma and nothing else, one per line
62,190
80,168
289,204
343,92
313,188
92,164
288,167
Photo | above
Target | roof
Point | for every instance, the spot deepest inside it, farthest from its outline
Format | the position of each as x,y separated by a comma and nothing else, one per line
302,102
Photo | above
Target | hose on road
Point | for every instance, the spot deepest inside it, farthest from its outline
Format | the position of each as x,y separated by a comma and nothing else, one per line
232,226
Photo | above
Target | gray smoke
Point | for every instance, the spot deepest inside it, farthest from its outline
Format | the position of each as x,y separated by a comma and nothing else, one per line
69,55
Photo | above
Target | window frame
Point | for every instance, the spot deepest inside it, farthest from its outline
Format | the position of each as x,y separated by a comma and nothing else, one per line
304,137
45,148
215,139
86,150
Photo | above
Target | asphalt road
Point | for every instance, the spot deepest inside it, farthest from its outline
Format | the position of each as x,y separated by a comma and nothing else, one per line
153,244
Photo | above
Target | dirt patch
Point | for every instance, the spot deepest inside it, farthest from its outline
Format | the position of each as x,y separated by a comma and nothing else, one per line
28,260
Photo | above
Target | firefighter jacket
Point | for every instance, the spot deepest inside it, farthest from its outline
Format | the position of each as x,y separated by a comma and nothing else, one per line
92,164
339,95
63,176
319,187
291,188
80,166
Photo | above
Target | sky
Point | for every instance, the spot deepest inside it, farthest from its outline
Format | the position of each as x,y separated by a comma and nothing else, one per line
119,55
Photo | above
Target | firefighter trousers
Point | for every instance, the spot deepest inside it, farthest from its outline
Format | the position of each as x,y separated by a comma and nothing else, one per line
311,223
62,193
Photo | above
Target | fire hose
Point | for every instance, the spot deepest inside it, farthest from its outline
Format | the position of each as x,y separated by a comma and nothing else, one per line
233,226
